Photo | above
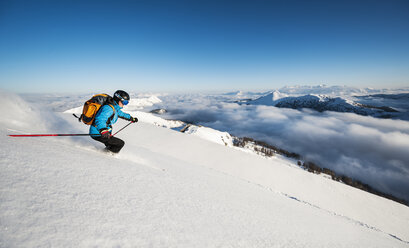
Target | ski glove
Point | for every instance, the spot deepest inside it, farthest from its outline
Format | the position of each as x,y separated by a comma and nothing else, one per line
134,119
105,133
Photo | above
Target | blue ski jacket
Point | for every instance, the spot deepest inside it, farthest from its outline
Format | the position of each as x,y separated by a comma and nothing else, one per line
106,116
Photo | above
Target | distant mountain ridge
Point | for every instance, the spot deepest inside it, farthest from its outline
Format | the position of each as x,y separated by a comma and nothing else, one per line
338,90
323,103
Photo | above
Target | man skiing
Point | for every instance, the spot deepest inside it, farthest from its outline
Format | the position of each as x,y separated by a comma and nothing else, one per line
101,128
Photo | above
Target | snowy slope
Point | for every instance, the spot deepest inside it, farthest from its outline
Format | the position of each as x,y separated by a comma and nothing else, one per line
172,189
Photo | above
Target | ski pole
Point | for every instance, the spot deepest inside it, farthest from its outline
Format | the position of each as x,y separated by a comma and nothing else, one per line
122,129
53,135
63,134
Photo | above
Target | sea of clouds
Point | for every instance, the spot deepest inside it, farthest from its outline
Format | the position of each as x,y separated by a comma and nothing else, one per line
372,150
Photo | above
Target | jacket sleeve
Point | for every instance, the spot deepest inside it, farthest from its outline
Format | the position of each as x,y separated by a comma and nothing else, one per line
102,117
123,115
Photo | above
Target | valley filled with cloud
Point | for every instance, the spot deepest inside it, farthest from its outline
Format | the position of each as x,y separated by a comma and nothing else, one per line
369,149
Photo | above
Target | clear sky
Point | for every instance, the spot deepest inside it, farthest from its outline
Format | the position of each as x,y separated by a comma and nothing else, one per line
80,45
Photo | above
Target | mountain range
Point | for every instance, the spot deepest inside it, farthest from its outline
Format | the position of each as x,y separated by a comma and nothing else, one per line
338,104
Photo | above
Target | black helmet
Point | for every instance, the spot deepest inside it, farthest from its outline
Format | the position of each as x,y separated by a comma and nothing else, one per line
121,95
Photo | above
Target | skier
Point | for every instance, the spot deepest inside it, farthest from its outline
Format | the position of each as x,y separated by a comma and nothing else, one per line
108,115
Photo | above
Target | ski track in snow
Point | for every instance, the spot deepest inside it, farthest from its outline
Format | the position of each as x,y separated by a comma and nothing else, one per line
342,216
359,223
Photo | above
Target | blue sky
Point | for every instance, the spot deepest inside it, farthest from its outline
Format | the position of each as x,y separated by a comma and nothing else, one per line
80,46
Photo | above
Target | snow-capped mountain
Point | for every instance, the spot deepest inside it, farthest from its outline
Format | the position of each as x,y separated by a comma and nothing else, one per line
336,90
325,103
270,99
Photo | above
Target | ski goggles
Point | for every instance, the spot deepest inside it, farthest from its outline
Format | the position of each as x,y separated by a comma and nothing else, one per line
125,102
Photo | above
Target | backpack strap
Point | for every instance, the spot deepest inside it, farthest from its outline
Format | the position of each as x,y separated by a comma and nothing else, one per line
112,116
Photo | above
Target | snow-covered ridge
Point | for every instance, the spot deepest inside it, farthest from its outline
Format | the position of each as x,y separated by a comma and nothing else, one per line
336,90
222,138
325,103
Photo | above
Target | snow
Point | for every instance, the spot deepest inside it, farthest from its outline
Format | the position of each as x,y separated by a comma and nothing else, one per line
222,138
172,189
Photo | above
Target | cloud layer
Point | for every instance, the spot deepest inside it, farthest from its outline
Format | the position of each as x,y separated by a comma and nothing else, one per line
374,151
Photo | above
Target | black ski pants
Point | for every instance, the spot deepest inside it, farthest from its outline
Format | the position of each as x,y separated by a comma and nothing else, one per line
112,144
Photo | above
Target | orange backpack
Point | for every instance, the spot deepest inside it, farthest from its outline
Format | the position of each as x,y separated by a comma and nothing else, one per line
91,107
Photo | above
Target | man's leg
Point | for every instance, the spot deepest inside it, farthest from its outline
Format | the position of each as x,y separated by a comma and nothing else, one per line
115,144
112,144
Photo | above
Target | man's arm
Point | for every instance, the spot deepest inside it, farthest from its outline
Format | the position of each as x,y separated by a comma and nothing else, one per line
127,116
